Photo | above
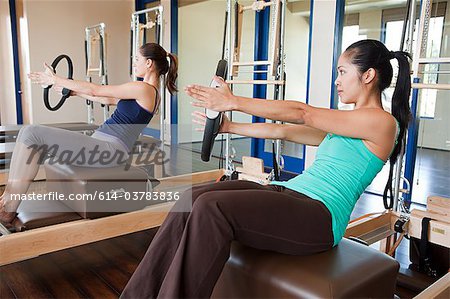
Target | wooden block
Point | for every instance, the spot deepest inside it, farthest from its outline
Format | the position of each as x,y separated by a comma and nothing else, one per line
254,178
439,232
432,215
439,205
252,165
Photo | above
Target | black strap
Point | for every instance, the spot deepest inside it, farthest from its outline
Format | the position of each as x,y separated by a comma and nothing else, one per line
388,188
424,250
156,100
275,163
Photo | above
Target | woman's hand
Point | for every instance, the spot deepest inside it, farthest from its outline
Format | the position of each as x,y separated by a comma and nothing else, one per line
200,119
58,89
45,78
214,98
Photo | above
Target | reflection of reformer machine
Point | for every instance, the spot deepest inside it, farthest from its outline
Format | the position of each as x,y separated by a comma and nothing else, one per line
272,67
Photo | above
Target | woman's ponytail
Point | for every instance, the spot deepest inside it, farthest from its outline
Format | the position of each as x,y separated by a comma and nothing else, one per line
172,74
400,99
402,113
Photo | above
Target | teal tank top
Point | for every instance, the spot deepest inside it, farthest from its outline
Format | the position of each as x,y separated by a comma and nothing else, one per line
342,170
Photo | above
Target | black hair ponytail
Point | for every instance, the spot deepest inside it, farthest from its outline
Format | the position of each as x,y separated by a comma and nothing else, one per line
402,113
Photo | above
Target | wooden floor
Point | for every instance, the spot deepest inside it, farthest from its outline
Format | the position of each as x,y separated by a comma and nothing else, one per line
97,270
102,269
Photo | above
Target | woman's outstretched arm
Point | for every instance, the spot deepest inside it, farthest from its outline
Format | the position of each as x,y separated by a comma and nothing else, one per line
295,133
366,123
131,90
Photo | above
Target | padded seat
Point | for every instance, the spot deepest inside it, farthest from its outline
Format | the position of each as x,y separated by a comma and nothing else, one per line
106,191
350,270
35,214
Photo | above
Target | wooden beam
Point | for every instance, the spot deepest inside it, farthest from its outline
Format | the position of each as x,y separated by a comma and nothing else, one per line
264,82
430,86
32,243
439,205
439,232
439,289
432,215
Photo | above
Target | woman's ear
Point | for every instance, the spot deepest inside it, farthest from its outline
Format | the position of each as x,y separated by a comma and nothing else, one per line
149,63
369,75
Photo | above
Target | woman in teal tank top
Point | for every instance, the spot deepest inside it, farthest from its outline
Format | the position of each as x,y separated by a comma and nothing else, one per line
305,215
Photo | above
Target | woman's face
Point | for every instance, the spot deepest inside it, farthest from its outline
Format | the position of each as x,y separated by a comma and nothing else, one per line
348,82
141,65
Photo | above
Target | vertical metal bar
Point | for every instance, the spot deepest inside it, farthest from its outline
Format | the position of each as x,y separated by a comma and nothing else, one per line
16,61
405,24
281,94
103,68
411,146
421,46
90,104
162,90
229,53
173,113
408,47
135,28
412,24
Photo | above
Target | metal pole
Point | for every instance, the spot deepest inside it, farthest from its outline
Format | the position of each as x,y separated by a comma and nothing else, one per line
135,29
408,47
421,46
281,71
162,89
229,54
90,104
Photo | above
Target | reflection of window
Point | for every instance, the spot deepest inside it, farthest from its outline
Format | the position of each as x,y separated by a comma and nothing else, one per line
393,30
351,35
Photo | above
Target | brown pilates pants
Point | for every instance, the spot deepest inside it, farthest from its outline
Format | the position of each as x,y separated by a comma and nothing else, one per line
190,249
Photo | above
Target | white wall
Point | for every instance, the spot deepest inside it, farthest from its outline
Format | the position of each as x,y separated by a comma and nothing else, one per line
321,60
7,90
57,27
